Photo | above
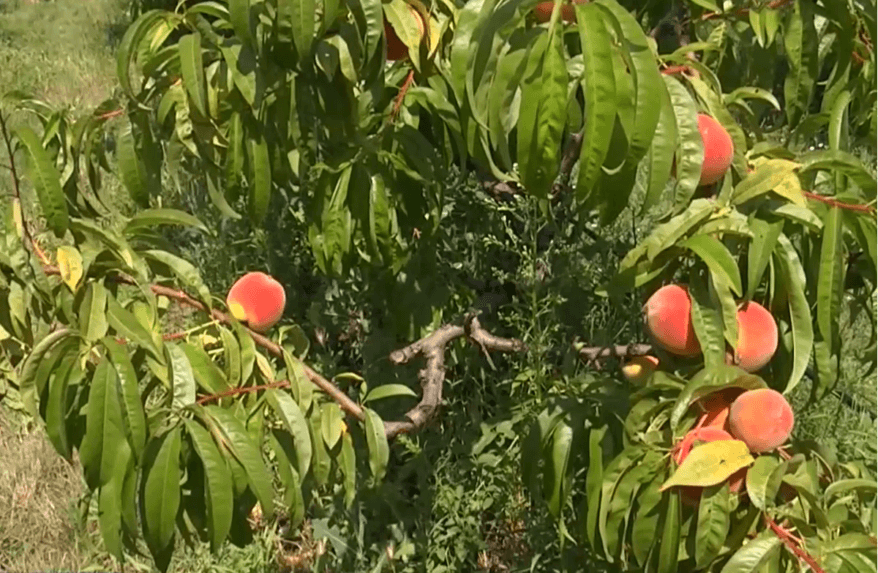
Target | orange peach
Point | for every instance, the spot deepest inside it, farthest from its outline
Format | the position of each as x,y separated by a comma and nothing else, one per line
762,419
757,337
669,322
691,495
718,149
257,299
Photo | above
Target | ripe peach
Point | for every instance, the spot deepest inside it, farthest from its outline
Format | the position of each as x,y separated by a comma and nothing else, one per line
669,322
757,337
543,10
640,368
762,419
716,406
718,149
691,494
257,299
396,48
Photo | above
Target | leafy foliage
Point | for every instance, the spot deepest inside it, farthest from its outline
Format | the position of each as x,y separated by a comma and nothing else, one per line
279,112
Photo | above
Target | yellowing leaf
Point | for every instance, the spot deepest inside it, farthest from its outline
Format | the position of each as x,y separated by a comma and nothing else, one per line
710,464
70,265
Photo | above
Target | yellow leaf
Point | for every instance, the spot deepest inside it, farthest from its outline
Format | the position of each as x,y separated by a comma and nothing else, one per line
70,265
710,464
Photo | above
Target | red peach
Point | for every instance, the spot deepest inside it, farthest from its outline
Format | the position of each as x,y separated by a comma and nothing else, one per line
669,322
762,419
718,149
757,337
716,406
257,299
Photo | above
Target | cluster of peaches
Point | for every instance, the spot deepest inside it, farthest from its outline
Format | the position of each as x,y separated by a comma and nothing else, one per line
761,418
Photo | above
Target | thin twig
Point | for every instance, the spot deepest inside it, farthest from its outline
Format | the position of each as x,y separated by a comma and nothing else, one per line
401,95
792,545
834,203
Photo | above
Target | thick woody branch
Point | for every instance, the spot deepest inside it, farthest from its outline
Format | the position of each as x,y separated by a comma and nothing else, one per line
432,376
595,353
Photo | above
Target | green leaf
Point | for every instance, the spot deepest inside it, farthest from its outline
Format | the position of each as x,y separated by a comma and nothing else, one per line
110,517
562,441
247,454
708,323
185,271
763,481
242,63
389,391
713,523
239,14
667,234
376,440
320,460
717,257
759,251
218,484
801,46
623,498
295,423
669,533
70,266
126,325
771,175
753,554
260,188
182,377
790,268
56,404
135,417
92,312
331,423
161,492
599,91
593,480
690,153
105,444
130,43
192,69
131,167
831,282
150,218
207,374
661,151
542,115
27,380
846,485
348,466
841,162
301,14
646,521
46,181
612,475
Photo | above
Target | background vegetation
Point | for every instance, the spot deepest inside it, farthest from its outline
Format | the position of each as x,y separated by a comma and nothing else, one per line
453,498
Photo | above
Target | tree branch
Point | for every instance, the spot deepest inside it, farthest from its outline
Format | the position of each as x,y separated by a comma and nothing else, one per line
792,545
432,349
833,203
594,353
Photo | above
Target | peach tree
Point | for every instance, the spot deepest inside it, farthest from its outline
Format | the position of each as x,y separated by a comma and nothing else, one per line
733,126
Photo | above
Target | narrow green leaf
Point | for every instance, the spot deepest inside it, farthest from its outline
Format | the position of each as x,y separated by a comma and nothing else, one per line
646,521
713,523
161,492
661,151
690,153
763,481
239,14
301,14
110,517
830,283
135,417
260,188
669,534
131,168
759,251
599,90
207,374
753,554
379,450
348,466
27,379
192,69
320,461
717,258
126,325
92,313
562,441
150,218
295,423
185,271
218,484
790,268
182,377
389,391
46,181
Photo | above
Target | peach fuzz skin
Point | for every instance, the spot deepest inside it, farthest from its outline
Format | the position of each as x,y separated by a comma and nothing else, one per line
718,149
691,495
257,299
669,322
762,419
757,336
717,405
